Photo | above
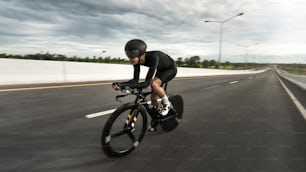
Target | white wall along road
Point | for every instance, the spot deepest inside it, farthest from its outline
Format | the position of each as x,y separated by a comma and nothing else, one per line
19,71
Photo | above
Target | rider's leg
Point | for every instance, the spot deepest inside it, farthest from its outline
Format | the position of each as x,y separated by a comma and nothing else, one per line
154,123
156,86
154,100
159,90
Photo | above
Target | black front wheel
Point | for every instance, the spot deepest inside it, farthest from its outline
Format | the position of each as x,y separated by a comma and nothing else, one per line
124,130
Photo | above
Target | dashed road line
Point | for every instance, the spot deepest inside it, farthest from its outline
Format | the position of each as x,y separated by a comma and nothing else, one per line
214,86
103,113
234,82
98,114
94,115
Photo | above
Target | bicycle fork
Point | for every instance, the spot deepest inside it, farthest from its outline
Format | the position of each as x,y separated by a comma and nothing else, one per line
131,120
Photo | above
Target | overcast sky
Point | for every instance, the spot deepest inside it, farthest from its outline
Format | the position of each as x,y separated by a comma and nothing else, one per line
88,27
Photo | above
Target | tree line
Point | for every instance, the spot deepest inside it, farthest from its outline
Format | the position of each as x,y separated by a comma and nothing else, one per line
297,68
59,57
194,61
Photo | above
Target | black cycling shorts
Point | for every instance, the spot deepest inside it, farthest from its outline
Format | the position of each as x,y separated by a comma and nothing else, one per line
166,75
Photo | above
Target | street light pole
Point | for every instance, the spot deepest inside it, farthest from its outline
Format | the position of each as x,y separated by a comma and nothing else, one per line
220,43
246,53
221,32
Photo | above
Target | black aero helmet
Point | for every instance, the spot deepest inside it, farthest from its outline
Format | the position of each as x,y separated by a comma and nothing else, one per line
135,48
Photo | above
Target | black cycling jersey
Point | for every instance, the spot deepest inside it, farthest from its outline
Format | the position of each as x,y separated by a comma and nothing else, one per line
157,61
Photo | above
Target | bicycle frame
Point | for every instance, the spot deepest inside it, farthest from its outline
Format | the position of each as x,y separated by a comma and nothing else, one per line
141,99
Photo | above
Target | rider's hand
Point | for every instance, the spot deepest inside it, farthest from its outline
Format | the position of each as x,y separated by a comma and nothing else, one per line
116,86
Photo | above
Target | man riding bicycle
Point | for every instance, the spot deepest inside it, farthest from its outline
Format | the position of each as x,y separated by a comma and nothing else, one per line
162,69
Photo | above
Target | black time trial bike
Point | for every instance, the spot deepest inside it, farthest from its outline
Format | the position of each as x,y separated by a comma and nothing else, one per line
126,127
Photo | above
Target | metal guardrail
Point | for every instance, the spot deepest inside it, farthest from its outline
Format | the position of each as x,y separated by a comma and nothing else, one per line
299,80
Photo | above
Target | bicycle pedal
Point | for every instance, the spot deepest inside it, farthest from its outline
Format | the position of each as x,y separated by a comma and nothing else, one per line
152,129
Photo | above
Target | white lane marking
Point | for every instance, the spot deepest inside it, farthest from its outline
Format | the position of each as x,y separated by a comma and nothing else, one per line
294,99
234,82
214,86
100,113
94,115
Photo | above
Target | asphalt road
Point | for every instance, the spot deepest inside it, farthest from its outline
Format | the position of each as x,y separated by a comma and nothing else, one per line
241,123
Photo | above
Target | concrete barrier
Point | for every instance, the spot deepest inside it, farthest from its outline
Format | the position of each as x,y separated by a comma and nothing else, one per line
20,71
299,80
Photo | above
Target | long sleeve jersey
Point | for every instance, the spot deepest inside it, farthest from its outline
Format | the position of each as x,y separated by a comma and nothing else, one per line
156,61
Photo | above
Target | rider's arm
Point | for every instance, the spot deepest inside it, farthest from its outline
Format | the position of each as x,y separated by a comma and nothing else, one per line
134,84
136,74
149,77
135,79
151,73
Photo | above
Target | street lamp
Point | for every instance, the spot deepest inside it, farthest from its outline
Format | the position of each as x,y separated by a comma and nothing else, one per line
221,32
246,52
100,55
102,52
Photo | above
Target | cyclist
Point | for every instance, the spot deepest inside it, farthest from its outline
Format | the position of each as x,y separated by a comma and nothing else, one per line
162,68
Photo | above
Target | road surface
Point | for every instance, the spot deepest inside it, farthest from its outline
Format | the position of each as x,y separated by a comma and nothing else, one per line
239,123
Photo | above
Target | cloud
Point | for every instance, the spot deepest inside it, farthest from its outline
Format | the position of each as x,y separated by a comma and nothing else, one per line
86,27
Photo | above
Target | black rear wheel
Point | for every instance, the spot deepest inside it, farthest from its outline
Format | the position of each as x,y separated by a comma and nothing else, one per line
178,104
119,138
175,115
